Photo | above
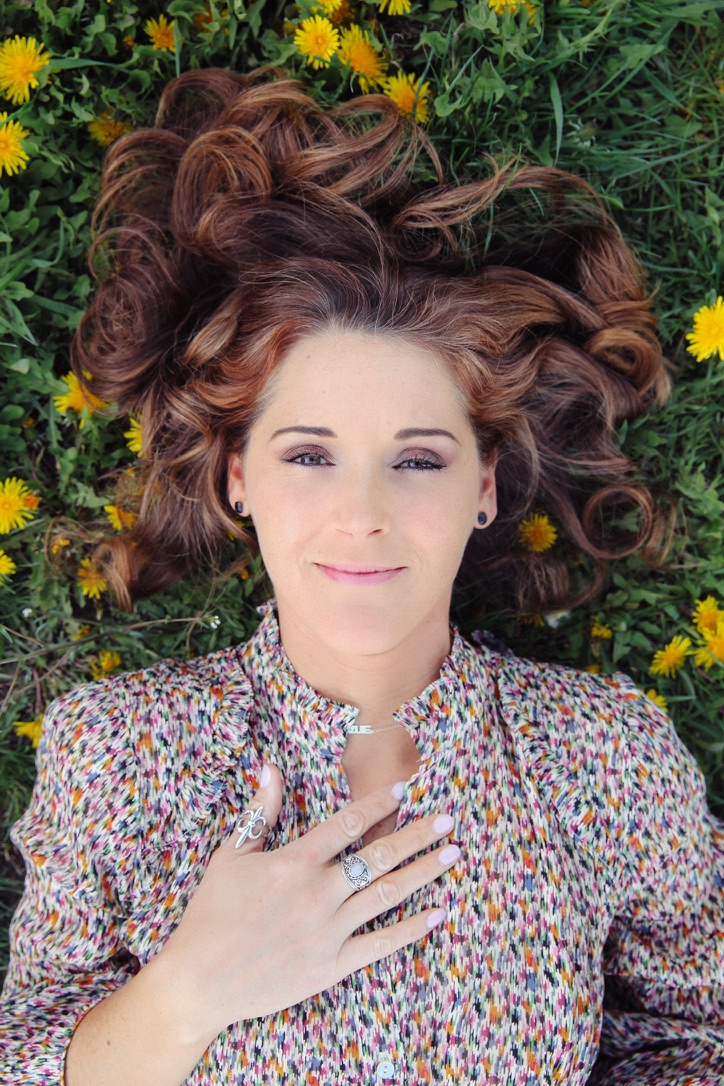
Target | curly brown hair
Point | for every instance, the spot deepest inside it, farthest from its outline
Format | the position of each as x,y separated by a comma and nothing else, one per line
249,216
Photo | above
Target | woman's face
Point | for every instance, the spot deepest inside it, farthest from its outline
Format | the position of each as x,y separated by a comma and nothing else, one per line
363,459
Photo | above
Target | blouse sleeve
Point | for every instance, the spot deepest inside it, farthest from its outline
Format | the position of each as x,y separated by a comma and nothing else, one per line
664,959
66,951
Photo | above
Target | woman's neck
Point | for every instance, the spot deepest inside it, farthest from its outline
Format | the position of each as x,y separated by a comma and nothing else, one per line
376,682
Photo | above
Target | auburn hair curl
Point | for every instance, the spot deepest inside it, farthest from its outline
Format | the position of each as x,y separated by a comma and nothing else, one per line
249,216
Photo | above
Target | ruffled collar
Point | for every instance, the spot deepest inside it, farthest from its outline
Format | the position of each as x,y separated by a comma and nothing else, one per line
287,708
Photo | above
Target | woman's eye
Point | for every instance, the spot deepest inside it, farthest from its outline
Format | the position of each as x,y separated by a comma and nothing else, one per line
420,463
306,459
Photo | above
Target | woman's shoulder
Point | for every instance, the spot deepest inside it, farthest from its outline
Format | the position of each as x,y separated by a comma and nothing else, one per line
599,750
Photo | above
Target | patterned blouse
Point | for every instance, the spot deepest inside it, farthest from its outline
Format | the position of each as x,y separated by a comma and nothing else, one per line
589,861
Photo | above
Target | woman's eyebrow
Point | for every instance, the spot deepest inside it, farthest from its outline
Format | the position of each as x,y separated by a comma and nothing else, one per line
401,435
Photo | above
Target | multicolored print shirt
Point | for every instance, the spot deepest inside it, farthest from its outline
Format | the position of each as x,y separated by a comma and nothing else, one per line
592,874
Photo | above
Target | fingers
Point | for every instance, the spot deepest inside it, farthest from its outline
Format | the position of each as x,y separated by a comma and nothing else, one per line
261,814
343,828
394,887
362,950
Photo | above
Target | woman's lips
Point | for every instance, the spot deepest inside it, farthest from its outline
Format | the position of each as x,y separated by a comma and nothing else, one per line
348,575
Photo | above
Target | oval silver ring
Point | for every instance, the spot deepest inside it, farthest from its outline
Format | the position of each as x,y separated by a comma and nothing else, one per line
357,872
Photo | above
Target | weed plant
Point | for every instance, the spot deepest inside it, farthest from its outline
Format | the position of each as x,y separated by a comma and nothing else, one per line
627,94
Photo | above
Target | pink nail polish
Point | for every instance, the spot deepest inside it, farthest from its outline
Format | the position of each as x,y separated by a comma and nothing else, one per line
265,777
448,855
398,790
436,918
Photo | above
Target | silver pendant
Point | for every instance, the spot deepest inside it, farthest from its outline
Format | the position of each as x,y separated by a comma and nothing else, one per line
359,729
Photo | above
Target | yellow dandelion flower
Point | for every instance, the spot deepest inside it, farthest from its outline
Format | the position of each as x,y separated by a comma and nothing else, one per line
59,543
670,659
598,629
134,437
20,59
328,6
31,728
366,62
91,581
162,33
707,614
317,40
658,699
395,7
78,398
501,6
593,669
32,502
104,663
128,42
408,95
80,633
713,647
17,505
708,336
120,518
12,156
7,566
536,533
105,130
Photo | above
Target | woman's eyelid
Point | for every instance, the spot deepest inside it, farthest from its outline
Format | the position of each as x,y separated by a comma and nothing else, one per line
427,455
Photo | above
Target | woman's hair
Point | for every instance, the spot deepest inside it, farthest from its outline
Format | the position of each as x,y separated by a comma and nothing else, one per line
249,217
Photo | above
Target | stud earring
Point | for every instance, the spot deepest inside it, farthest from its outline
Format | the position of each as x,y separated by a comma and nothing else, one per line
239,507
482,519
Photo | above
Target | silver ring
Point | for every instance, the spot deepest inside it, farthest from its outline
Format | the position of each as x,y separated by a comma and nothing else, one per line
253,828
357,872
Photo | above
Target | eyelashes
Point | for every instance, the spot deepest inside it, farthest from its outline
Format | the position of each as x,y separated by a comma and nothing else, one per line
315,458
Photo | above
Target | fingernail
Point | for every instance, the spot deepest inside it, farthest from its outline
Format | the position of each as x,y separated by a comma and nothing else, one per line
443,823
398,790
449,855
436,918
265,777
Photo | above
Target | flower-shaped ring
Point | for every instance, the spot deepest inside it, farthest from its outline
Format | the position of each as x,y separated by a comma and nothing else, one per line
253,825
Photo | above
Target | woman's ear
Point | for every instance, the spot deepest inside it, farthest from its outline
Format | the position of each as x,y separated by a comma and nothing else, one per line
488,498
236,490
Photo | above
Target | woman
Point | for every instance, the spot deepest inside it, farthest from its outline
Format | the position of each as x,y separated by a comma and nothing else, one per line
359,848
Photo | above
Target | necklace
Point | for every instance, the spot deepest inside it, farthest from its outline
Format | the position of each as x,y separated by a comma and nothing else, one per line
365,729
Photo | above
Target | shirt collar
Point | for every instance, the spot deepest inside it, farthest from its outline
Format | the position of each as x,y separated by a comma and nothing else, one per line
286,708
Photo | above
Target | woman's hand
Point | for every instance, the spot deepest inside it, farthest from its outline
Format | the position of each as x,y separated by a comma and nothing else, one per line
265,930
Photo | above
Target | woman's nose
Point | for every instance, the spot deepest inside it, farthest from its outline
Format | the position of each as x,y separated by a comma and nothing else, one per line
360,504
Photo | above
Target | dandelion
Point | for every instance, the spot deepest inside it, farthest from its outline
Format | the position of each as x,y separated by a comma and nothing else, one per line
7,566
317,40
120,518
162,33
707,614
20,59
17,505
329,7
708,336
104,663
713,648
501,6
537,533
12,156
670,659
105,130
31,728
80,633
658,699
395,7
78,398
593,669
366,62
134,437
59,543
408,95
91,581
598,629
